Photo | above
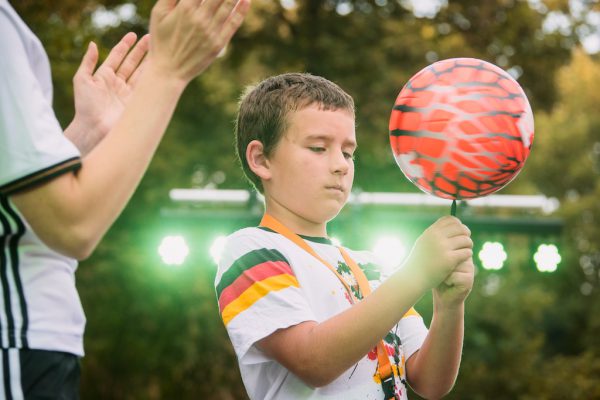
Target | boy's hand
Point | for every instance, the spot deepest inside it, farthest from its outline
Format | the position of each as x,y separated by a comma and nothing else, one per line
437,253
187,35
100,96
454,290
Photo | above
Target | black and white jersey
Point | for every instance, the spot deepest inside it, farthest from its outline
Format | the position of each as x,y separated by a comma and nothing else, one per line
39,305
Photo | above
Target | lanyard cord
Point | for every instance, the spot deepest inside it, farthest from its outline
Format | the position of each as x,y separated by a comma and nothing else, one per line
384,369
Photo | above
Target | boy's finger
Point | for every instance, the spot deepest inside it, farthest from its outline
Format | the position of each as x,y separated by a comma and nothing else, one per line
461,242
455,229
89,61
118,53
133,59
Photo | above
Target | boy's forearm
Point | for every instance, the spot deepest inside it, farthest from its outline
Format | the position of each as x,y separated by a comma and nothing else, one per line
85,204
324,351
432,371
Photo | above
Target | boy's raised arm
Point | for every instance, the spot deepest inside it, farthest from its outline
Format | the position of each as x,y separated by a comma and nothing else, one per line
319,352
433,370
72,212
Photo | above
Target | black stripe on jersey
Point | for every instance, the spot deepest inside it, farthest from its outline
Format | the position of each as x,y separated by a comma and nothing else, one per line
41,176
10,322
6,378
14,258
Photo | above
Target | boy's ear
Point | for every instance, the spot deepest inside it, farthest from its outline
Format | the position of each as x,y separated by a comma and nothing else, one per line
257,161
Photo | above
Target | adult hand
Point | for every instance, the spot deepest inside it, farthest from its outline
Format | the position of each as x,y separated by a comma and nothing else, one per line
187,35
101,95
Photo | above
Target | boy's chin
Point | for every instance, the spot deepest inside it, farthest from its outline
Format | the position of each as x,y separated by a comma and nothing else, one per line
330,214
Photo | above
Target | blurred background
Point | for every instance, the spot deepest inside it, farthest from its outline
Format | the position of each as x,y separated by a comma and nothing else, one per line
534,315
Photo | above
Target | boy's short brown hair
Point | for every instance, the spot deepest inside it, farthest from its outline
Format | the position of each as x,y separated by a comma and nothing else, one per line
263,110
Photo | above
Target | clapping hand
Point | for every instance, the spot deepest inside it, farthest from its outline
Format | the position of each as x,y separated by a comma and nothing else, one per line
101,94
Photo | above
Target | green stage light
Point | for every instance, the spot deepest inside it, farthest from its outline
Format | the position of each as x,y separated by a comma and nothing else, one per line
492,256
216,248
391,251
173,250
547,258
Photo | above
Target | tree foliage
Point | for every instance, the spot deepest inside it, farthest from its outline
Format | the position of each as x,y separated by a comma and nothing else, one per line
155,333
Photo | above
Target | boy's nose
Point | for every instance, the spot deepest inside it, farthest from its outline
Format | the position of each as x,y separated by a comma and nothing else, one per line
339,163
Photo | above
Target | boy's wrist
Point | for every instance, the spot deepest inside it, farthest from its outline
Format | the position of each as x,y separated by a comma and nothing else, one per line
413,273
441,305
409,277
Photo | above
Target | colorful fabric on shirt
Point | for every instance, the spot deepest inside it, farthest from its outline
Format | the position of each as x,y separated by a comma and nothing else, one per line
265,283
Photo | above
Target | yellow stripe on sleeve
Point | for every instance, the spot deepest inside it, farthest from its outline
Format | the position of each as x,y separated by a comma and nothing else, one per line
256,292
412,312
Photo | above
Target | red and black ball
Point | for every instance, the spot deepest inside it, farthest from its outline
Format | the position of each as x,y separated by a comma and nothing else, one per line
461,128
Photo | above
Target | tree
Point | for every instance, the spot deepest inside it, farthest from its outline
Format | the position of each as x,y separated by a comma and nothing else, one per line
155,333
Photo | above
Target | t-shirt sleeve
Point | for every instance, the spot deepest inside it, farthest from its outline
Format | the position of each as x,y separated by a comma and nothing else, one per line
258,293
33,147
412,332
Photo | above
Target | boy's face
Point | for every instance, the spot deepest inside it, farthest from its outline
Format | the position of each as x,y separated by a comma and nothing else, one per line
312,166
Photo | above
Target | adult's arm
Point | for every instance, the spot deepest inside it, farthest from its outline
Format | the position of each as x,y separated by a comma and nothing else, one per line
72,212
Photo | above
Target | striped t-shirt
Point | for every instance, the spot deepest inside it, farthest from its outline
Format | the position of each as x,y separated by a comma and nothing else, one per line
265,282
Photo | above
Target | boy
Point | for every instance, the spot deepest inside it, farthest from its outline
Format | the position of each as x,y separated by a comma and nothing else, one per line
295,306
60,193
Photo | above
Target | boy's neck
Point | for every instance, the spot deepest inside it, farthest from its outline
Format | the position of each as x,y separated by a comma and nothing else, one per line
295,222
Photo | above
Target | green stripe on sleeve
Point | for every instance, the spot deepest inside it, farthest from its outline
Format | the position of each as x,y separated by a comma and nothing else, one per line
245,262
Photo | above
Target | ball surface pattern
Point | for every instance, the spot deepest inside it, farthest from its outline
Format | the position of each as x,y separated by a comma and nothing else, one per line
461,128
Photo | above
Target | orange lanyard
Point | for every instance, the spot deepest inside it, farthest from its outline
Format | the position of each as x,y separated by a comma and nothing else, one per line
384,369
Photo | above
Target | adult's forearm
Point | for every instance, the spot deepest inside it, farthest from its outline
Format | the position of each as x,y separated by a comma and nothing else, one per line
84,205
114,168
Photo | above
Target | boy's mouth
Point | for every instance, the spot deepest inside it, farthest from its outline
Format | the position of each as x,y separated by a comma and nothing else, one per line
335,187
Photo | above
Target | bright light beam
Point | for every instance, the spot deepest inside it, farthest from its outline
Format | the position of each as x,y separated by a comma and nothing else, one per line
391,252
217,247
173,250
547,258
492,256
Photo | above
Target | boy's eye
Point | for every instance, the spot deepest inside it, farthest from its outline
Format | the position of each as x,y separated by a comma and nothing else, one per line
317,149
348,156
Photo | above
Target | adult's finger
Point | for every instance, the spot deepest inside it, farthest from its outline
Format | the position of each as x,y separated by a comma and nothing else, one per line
89,61
136,74
133,59
218,11
118,53
234,21
162,8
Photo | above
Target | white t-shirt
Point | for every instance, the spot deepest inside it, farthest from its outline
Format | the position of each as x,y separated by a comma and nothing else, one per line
39,305
265,282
